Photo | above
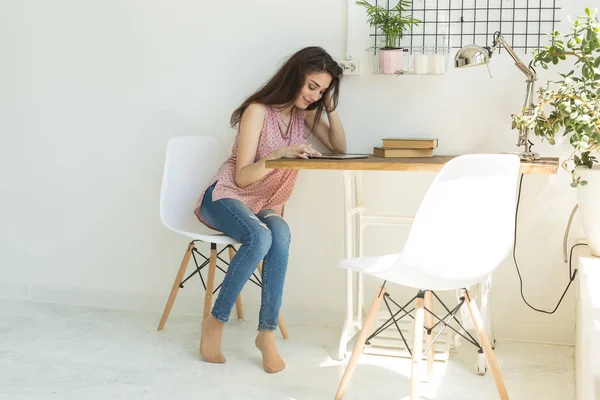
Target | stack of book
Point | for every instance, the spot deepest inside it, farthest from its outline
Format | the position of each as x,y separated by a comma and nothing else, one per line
401,147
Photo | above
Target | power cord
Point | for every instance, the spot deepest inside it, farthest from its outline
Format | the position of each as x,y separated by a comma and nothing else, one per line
572,274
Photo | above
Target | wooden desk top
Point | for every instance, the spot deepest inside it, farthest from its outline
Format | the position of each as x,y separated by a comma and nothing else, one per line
545,165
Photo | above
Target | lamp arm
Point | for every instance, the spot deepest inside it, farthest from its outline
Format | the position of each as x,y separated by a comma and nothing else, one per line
499,40
529,95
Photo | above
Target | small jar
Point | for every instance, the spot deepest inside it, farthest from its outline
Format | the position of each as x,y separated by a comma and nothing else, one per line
407,59
421,60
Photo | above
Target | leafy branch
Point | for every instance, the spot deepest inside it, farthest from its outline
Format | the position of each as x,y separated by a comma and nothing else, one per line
574,101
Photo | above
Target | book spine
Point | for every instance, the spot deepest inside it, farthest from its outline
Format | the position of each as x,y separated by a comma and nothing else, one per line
398,144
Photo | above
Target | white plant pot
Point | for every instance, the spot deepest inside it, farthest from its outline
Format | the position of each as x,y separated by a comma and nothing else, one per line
589,206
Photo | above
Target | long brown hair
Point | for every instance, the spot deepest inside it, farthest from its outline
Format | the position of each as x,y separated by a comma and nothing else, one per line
285,86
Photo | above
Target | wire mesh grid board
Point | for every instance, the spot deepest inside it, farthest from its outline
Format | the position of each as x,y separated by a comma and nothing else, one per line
455,23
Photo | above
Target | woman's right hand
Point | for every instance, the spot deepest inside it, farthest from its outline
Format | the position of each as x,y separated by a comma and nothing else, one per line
296,151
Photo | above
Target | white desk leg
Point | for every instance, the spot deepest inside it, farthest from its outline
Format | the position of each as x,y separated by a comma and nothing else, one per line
486,315
348,330
352,210
358,202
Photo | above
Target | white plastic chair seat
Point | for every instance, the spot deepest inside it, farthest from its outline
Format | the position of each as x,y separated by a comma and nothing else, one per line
392,268
194,229
208,235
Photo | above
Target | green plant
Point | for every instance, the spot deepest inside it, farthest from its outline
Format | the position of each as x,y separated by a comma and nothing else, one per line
393,22
574,101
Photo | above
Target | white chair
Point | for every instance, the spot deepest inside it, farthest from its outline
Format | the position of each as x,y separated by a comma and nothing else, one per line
191,161
462,231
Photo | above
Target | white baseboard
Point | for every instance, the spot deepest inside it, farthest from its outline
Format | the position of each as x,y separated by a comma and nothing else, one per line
187,304
14,291
535,332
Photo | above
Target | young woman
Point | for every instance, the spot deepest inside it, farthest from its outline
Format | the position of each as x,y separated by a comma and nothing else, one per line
245,200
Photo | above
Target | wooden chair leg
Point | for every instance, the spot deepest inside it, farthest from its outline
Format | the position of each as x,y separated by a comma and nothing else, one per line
417,350
210,281
238,307
282,327
485,344
238,303
429,338
175,288
360,343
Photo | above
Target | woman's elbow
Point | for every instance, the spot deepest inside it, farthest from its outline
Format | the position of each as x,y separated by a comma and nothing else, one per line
239,183
340,148
339,145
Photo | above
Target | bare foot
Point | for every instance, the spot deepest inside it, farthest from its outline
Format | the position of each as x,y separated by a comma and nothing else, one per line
272,361
210,340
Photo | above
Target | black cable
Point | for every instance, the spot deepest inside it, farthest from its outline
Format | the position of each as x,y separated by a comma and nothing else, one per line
572,274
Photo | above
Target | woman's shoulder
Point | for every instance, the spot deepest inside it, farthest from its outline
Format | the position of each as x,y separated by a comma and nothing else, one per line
256,108
254,112
254,115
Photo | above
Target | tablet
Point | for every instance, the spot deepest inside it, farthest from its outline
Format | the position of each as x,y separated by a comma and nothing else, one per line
340,156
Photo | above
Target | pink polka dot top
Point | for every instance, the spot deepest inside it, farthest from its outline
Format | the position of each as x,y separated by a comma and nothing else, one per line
274,189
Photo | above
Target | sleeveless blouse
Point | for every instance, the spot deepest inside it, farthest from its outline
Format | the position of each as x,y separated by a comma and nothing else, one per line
273,190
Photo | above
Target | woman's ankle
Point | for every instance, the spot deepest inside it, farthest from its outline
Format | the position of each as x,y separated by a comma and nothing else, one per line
211,319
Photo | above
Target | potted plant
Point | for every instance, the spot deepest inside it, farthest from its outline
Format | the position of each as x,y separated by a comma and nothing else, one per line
393,23
571,107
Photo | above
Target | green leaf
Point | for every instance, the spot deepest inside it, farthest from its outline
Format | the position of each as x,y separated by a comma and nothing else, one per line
571,43
574,184
584,183
555,128
587,72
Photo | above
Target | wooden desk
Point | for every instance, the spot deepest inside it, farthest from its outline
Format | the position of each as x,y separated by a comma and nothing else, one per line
355,220
546,165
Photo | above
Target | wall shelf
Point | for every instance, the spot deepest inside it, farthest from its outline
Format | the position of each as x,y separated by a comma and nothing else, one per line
418,61
451,24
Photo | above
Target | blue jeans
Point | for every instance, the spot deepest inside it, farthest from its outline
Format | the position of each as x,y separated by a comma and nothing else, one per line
264,237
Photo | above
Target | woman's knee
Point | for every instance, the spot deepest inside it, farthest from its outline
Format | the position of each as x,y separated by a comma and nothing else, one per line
280,230
258,237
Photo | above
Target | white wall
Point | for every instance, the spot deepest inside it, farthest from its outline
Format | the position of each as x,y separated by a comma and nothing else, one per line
90,92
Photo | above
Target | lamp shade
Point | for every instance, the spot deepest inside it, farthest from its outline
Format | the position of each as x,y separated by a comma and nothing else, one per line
471,55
